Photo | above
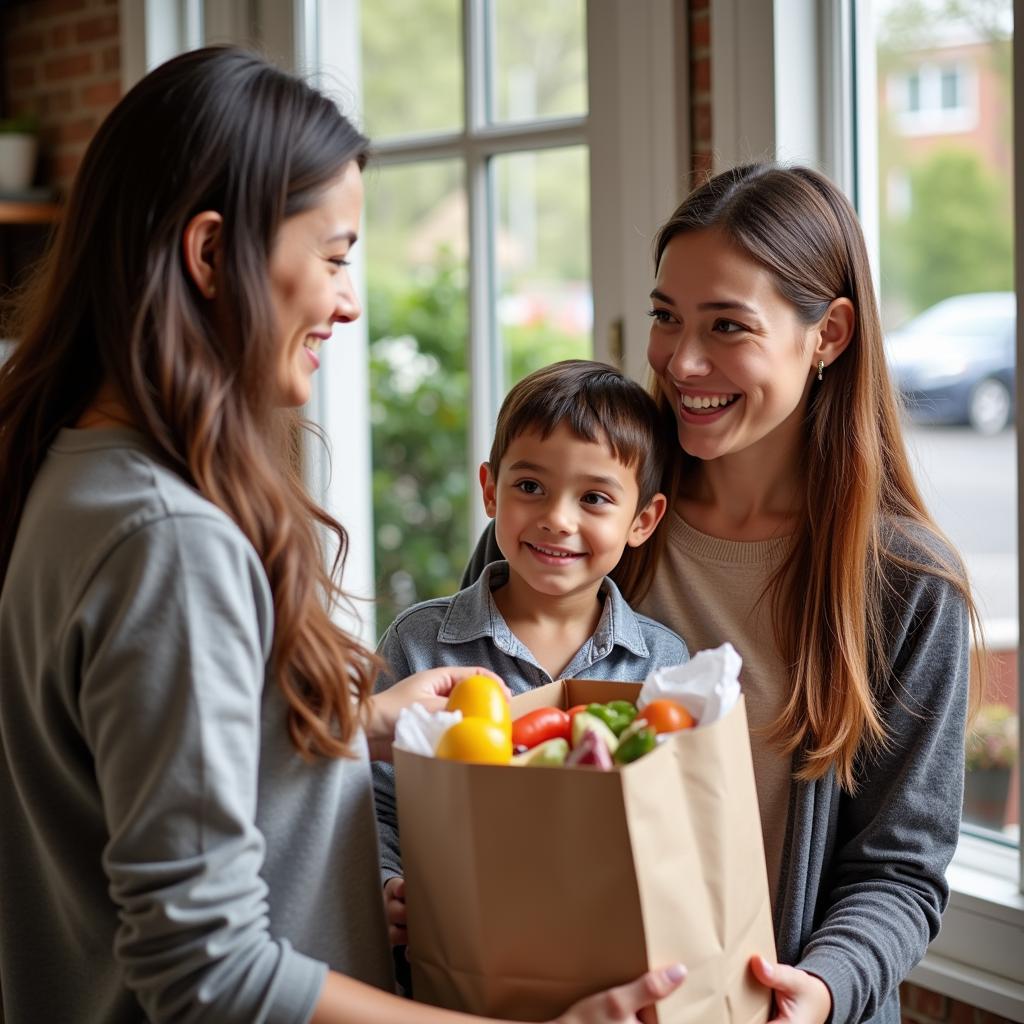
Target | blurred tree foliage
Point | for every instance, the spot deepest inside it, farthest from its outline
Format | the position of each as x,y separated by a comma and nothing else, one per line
957,236
419,392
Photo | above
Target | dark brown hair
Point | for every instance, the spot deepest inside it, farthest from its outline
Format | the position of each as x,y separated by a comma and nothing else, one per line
599,404
829,597
214,129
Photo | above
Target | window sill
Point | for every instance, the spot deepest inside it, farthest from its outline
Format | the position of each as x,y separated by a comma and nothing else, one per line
976,957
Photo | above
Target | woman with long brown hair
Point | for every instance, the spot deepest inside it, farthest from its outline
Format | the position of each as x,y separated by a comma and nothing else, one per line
797,533
188,824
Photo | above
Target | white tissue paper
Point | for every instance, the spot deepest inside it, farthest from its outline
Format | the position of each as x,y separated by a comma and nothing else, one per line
708,685
419,731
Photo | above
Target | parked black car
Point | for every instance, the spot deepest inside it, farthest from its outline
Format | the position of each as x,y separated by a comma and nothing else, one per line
954,363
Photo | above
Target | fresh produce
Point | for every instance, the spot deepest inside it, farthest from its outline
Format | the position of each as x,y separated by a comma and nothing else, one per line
549,753
538,726
668,716
591,751
475,740
585,722
641,742
616,714
573,712
633,728
600,735
482,697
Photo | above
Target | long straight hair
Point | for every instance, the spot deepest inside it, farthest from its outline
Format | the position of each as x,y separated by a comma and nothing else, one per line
214,129
829,595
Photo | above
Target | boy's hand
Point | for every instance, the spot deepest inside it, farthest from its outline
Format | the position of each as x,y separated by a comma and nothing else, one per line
394,911
429,688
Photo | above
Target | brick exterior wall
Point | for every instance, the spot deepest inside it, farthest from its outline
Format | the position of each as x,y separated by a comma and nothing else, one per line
923,1007
700,88
62,64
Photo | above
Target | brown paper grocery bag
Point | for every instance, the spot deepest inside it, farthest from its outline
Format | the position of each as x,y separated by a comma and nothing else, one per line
529,888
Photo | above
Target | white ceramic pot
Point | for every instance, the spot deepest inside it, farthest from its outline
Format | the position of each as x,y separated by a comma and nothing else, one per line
17,160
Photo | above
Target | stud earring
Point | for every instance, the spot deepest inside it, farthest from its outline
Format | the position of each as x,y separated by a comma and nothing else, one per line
821,367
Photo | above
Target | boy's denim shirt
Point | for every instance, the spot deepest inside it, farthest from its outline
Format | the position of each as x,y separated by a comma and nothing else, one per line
468,629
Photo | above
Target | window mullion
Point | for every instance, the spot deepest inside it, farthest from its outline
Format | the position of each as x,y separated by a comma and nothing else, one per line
485,386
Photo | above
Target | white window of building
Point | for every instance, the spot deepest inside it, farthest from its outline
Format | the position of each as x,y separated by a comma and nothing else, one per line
935,98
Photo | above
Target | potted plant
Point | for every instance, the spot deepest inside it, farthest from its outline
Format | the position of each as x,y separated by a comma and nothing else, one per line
990,756
18,147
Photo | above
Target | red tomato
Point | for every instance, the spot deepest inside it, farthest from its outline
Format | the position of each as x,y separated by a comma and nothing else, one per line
540,725
574,711
667,716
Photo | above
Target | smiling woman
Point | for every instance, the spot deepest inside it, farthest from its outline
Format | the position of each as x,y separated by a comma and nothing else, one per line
795,531
309,280
735,359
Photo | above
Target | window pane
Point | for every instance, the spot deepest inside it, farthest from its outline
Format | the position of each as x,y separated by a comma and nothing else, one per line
950,89
945,165
540,62
416,270
545,312
412,66
914,92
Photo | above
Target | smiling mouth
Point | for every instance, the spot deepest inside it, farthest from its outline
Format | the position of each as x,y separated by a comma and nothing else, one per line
705,405
557,553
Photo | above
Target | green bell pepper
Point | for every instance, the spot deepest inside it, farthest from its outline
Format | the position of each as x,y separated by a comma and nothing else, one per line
616,714
641,742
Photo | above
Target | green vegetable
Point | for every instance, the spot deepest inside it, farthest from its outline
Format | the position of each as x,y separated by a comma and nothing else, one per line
626,707
617,714
585,721
633,728
545,755
641,742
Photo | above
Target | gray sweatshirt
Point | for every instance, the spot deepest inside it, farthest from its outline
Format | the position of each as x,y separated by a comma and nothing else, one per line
163,847
862,883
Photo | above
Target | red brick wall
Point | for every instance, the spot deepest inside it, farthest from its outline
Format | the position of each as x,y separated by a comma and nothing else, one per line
700,87
61,63
920,1006
923,1007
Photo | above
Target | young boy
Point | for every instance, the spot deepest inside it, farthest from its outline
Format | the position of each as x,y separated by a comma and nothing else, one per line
572,482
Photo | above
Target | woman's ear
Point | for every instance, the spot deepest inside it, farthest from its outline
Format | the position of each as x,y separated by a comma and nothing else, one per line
646,520
200,246
834,332
488,484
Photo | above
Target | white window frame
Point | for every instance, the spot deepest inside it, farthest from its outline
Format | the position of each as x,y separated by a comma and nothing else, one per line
784,85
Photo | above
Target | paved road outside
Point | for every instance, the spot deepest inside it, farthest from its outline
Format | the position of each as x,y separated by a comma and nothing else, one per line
970,485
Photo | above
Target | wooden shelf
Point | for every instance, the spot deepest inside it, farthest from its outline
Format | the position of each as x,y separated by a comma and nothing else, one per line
14,212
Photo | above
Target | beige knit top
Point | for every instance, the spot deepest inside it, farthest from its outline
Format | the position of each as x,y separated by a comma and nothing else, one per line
710,590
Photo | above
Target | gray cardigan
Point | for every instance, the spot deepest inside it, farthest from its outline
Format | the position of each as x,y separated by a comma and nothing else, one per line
862,885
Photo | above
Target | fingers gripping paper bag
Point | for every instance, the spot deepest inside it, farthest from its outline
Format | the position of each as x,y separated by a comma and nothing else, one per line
529,888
